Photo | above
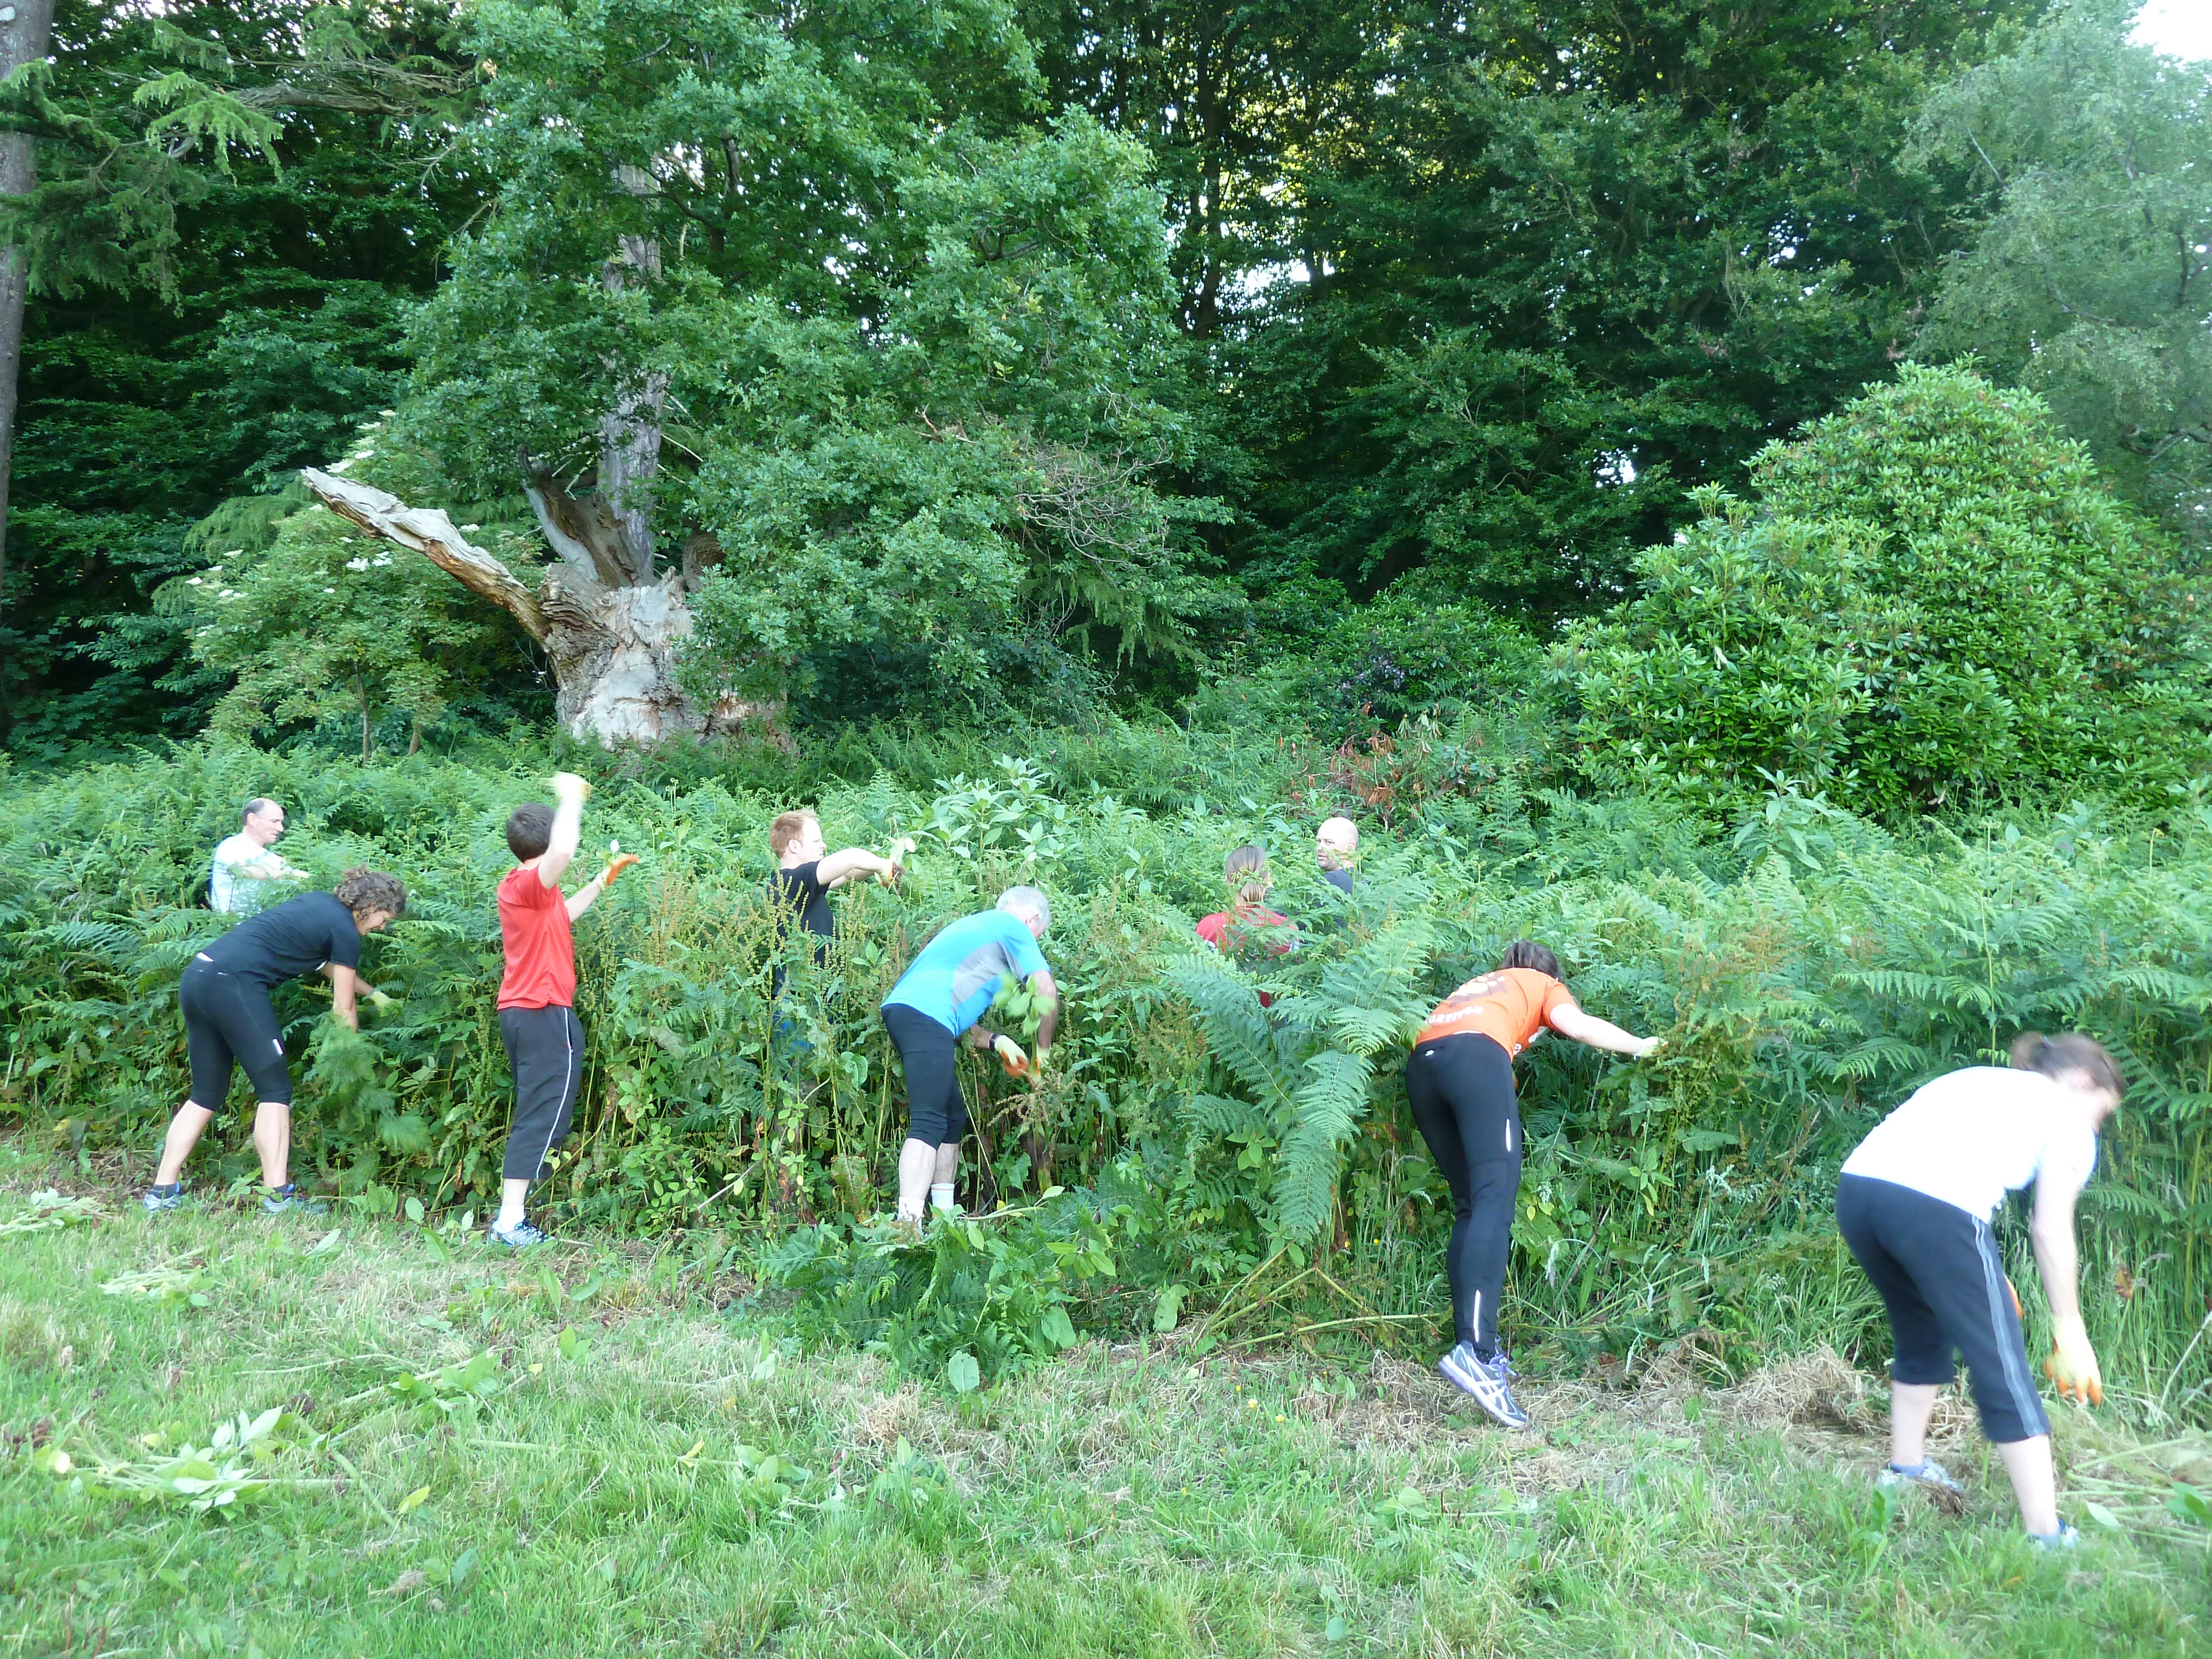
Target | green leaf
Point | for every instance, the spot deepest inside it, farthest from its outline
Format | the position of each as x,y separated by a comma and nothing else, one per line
1167,1307
964,1373
1056,1327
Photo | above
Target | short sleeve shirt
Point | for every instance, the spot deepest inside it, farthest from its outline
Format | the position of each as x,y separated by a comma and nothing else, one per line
958,973
229,891
541,953
288,939
1248,929
796,894
1508,1007
1971,1136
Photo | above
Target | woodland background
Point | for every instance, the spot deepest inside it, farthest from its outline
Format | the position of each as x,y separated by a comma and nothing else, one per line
1724,491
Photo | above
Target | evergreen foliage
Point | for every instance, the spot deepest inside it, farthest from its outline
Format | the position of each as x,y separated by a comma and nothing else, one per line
1934,599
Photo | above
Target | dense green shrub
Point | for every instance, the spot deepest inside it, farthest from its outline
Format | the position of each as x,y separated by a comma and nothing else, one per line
1807,967
1933,601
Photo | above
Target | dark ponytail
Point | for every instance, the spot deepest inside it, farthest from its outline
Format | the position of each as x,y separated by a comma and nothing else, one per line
2069,1051
1526,953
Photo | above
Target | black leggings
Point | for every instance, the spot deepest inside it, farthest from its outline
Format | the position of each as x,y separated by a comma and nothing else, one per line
1937,1268
1461,1088
935,1111
228,1019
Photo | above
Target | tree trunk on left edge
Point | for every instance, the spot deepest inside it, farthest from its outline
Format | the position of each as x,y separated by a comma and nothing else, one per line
24,36
613,646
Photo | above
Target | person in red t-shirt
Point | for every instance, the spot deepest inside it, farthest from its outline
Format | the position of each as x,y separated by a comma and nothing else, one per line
1250,930
537,994
1459,1082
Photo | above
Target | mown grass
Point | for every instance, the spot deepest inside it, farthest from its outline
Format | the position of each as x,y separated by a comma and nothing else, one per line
1122,1501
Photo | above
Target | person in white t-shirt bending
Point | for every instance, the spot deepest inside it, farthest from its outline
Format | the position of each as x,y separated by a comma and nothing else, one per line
246,863
1914,1205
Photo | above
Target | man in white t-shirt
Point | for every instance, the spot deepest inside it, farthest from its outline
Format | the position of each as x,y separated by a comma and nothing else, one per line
1914,1205
247,862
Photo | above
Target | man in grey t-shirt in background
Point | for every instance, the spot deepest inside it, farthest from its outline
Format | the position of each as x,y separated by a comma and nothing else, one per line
246,863
1336,849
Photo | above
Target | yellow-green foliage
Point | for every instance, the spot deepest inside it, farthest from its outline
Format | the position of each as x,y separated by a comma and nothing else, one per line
1807,968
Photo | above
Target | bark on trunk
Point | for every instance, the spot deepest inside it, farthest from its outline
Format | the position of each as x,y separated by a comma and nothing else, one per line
24,36
612,646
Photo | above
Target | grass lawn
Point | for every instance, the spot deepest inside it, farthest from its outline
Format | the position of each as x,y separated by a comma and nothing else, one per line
636,1470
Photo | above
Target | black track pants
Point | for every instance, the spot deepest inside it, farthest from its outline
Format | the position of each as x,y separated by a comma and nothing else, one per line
936,1112
545,1050
1461,1088
228,1019
1937,1268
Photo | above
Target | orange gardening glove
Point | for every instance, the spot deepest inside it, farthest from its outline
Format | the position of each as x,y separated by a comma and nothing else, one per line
1010,1055
616,866
2072,1367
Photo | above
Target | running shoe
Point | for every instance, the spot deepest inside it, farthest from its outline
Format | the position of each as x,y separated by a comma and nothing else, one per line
1484,1381
1929,1473
2066,1538
519,1236
170,1197
286,1201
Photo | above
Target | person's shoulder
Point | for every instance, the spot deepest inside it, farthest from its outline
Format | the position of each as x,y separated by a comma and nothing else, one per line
235,849
514,887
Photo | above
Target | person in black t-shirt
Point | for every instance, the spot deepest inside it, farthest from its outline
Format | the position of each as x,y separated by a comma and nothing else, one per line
799,891
228,1019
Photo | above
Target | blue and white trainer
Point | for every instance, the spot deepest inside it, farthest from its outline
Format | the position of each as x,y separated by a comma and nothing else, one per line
519,1236
286,1201
1927,1473
1484,1382
170,1197
2066,1538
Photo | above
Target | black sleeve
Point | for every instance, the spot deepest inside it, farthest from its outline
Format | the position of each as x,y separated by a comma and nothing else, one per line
346,942
807,881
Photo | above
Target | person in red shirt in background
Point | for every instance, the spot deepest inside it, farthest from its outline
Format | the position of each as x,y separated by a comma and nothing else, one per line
1250,928
537,996
1460,1085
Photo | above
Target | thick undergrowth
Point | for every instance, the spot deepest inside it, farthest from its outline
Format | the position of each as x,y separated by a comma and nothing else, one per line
1251,1167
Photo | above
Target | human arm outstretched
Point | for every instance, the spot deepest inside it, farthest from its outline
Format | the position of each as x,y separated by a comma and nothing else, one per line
1571,1021
838,868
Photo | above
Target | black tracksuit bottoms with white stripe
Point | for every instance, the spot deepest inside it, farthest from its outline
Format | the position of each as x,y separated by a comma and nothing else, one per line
545,1050
1937,1268
1461,1088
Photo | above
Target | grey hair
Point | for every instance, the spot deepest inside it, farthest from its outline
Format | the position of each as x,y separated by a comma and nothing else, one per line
1026,901
259,804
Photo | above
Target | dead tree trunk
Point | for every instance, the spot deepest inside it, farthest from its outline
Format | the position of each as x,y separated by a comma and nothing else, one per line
612,638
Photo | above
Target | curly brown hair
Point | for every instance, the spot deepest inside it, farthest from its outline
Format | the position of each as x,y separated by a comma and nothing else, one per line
362,889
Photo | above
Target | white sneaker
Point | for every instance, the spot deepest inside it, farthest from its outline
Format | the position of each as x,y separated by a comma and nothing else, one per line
1930,1473
1484,1380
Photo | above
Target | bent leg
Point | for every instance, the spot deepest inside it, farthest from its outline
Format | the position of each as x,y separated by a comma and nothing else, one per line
935,1111
185,1129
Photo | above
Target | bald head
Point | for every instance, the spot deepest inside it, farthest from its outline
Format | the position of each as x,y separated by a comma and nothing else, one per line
1336,843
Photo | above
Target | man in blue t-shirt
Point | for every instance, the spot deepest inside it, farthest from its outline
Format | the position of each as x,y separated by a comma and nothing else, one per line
943,995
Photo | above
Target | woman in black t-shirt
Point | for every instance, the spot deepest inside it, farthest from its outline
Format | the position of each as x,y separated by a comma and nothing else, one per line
228,1019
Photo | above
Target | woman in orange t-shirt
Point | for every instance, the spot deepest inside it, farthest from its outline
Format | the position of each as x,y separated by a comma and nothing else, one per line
1460,1085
